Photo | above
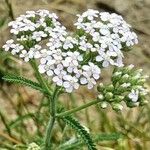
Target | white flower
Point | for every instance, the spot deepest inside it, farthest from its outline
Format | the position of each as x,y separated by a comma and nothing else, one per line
105,59
90,14
30,14
28,26
43,12
69,42
72,61
83,45
17,48
24,54
89,81
38,35
58,79
54,44
70,83
9,45
92,70
35,52
105,16
134,95
16,27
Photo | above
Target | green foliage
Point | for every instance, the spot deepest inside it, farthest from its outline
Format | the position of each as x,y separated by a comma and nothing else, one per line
96,138
23,81
80,130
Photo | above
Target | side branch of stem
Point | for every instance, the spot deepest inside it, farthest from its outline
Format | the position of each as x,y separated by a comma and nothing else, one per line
69,112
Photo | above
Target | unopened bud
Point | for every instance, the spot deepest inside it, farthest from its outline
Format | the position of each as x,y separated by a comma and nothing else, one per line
118,98
108,96
33,146
100,97
100,87
116,77
143,102
141,81
130,67
124,78
145,77
110,88
103,104
117,106
132,104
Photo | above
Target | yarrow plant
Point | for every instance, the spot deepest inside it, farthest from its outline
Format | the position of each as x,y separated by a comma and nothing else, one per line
73,60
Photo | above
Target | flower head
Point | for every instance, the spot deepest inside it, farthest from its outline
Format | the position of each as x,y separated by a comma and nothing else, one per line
68,59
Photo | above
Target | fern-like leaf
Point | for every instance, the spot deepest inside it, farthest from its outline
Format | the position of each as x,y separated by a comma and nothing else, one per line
96,138
80,130
23,81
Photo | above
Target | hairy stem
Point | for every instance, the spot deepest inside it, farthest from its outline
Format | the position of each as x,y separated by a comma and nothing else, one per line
51,122
66,113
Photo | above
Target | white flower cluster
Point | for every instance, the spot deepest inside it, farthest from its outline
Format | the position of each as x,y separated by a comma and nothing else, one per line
71,61
65,70
32,28
106,35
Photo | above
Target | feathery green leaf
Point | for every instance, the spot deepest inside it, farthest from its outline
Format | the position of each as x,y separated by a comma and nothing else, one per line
80,130
96,138
23,81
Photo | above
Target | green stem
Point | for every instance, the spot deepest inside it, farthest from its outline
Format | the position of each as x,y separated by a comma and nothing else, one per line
39,76
52,119
66,113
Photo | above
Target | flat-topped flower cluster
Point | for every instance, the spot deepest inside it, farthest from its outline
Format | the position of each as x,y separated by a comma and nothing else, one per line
71,60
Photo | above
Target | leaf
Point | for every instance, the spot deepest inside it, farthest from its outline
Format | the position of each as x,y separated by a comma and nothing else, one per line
96,138
80,130
23,81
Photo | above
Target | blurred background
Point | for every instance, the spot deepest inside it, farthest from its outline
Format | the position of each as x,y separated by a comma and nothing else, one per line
17,103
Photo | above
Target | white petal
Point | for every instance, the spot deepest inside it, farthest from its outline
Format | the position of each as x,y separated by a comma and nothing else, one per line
66,84
83,80
41,69
49,72
105,64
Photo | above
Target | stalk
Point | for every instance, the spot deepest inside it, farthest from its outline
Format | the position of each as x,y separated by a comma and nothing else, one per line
69,112
52,119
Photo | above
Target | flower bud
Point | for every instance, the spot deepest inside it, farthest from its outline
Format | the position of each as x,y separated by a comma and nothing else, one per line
124,78
118,98
130,67
103,104
143,102
33,146
117,106
110,88
109,96
100,87
141,81
145,77
100,97
116,76
132,104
